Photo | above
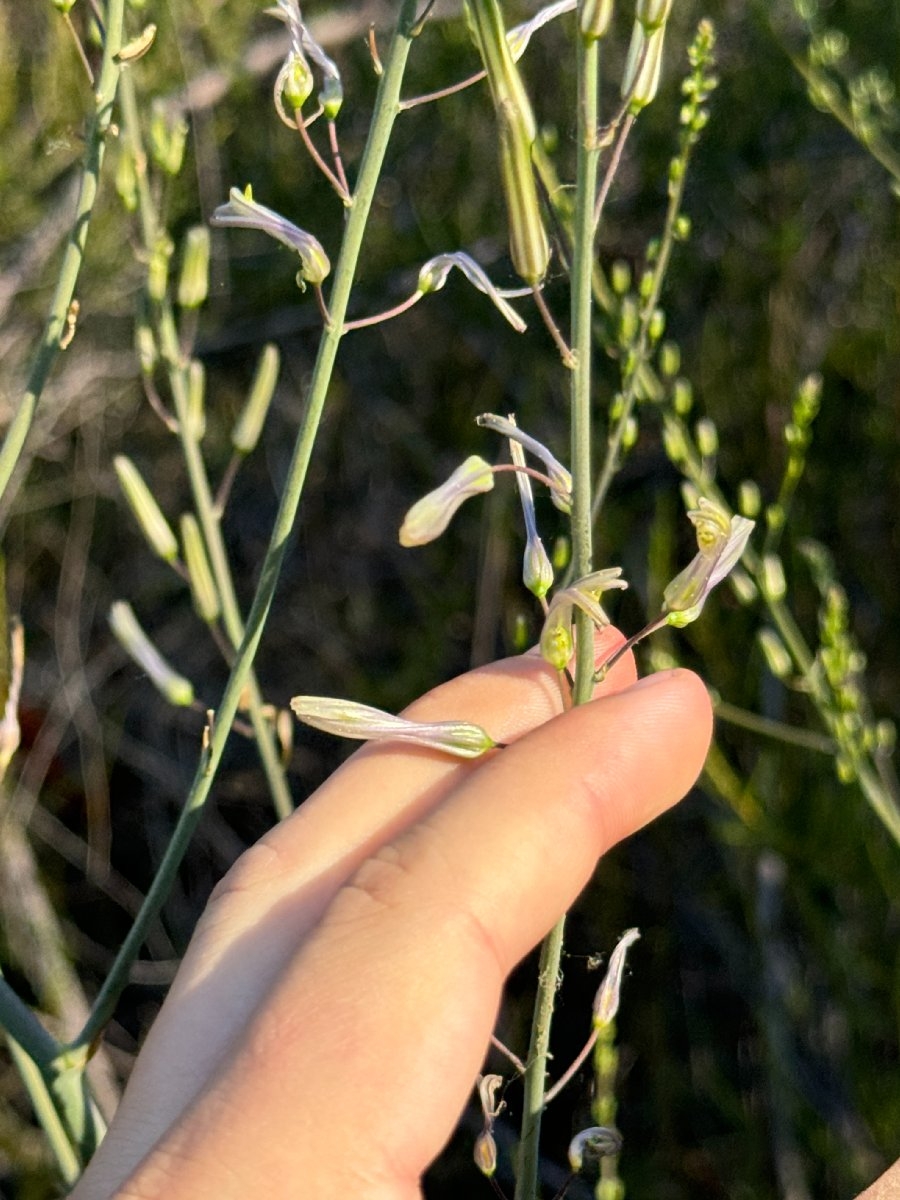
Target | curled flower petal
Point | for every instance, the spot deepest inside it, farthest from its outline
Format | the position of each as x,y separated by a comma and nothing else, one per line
537,570
606,1002
591,1144
721,541
556,638
303,46
430,516
561,479
434,274
520,35
346,718
243,212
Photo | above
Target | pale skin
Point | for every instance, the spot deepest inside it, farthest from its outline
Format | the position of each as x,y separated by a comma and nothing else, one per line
334,1007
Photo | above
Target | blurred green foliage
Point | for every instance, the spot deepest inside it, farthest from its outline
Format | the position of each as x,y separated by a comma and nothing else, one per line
760,1030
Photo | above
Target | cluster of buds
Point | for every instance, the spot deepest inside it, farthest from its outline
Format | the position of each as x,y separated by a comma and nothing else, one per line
295,81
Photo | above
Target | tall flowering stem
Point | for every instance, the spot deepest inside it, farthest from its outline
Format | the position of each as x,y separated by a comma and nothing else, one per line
588,65
386,109
73,256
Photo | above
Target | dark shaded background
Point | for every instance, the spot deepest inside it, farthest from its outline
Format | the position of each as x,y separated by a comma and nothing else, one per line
761,1020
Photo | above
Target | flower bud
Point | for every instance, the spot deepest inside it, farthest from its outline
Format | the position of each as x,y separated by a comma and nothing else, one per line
642,67
606,1002
707,437
485,1154
168,137
249,424
652,13
775,653
158,268
204,593
124,624
155,527
595,18
589,1145
345,718
196,393
772,580
749,498
193,284
528,244
430,516
294,83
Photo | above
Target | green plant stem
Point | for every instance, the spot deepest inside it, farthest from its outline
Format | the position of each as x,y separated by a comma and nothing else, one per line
386,109
73,256
588,60
35,1082
204,504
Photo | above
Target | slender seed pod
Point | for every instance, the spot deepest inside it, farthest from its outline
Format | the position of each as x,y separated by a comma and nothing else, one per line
528,244
193,283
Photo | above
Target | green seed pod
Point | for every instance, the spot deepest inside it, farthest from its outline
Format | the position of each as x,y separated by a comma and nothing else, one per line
204,593
489,34
249,424
154,526
652,13
528,244
193,284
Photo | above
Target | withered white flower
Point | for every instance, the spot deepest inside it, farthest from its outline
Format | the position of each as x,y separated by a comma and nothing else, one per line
592,1144
606,1002
346,718
520,35
303,46
556,642
560,477
537,570
433,276
721,542
137,645
243,212
430,516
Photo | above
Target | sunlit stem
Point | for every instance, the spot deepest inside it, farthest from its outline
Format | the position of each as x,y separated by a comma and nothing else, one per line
386,107
579,359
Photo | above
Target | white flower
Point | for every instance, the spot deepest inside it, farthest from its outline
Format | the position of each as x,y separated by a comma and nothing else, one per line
346,718
434,274
243,212
721,541
560,478
430,516
556,637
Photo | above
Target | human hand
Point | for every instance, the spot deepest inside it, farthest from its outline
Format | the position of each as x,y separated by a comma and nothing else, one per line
336,1002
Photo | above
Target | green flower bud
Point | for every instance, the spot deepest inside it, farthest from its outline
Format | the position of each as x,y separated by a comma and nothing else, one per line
193,284
595,18
707,437
777,658
124,624
669,359
652,13
295,82
620,277
528,244
749,499
196,392
642,67
158,268
249,424
204,593
168,137
154,526
772,581
682,397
